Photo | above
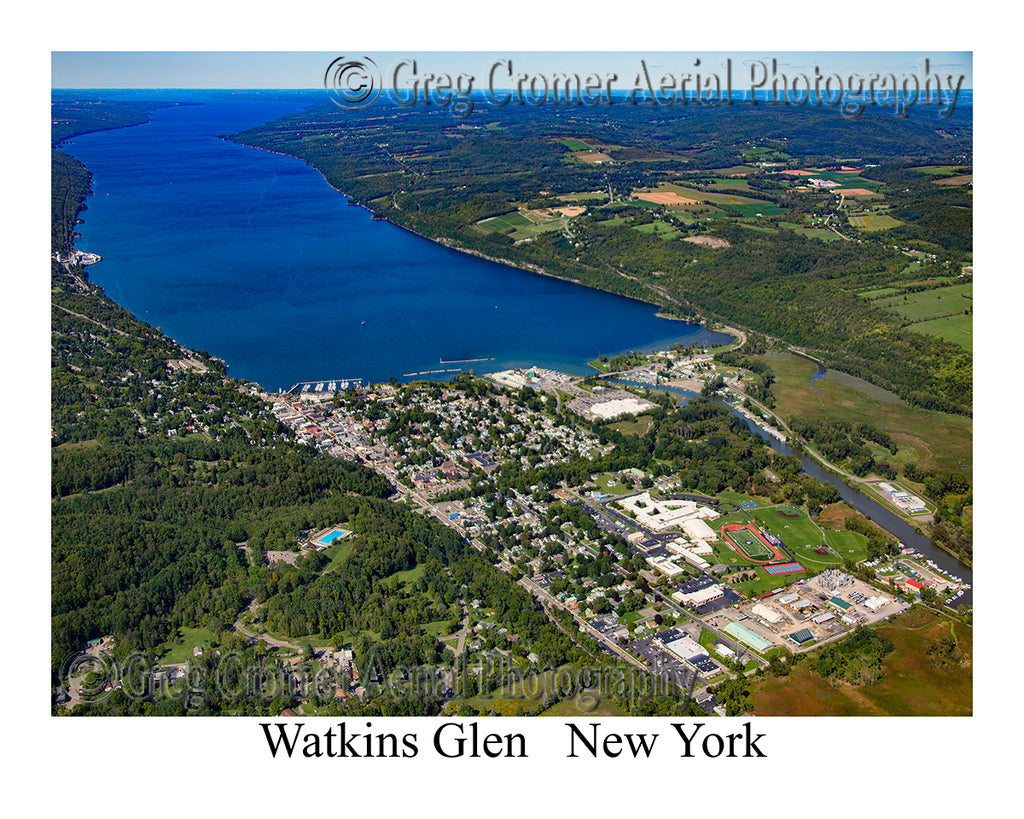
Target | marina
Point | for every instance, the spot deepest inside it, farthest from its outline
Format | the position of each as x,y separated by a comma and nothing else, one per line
331,385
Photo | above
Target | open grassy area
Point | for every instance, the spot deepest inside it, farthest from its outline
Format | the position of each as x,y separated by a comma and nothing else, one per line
611,486
637,427
337,552
532,230
188,639
505,223
824,234
958,329
574,144
662,229
874,221
766,582
879,293
408,577
929,304
911,683
926,437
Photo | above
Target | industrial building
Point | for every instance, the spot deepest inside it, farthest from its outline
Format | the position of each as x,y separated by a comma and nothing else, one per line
745,635
766,613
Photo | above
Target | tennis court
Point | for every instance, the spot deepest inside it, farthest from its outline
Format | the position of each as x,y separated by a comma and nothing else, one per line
784,568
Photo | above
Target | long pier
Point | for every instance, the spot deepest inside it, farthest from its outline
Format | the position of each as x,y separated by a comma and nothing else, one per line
432,372
463,360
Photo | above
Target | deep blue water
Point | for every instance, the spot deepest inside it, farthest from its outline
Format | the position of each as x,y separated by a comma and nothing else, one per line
255,259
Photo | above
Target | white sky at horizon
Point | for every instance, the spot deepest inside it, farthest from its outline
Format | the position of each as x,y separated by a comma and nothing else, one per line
305,69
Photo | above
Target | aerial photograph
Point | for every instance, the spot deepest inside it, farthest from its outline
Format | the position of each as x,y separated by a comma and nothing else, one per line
407,389
472,384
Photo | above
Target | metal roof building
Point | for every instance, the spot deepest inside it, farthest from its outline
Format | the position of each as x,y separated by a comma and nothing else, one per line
745,635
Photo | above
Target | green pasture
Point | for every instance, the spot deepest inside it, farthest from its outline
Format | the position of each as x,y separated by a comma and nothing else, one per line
661,229
929,304
505,223
958,329
574,144
874,221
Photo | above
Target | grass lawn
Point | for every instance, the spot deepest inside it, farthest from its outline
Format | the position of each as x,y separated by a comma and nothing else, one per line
435,629
409,576
337,552
611,486
504,223
637,427
189,638
766,582
532,230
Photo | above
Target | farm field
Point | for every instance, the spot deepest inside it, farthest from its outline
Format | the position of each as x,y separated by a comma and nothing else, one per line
615,220
881,292
505,223
846,180
735,170
937,170
745,205
591,156
730,185
874,221
958,329
574,144
930,304
820,233
585,197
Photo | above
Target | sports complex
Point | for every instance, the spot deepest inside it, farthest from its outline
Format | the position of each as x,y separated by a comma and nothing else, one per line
746,540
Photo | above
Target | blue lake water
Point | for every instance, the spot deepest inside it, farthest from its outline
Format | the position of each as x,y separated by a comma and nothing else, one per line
254,258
